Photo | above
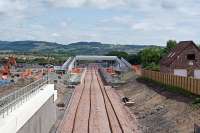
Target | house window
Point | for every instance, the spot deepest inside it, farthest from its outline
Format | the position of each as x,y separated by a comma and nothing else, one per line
191,56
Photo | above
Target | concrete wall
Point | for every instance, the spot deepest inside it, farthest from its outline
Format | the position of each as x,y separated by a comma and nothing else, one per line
197,74
36,114
42,120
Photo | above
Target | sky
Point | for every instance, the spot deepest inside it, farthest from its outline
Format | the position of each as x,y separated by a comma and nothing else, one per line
150,22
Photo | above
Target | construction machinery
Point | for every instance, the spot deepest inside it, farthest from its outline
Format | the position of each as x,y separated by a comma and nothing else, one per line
7,64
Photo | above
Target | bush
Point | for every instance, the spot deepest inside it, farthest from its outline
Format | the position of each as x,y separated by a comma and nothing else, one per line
153,67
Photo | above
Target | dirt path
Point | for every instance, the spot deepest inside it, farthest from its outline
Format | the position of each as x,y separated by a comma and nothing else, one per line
158,110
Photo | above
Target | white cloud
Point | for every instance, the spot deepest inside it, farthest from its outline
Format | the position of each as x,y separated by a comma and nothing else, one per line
14,11
67,3
55,34
111,21
10,6
64,24
102,4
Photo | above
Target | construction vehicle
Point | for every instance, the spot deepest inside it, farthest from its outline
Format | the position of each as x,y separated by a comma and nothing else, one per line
7,64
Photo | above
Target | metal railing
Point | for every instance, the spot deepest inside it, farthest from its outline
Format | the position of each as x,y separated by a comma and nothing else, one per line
127,63
9,102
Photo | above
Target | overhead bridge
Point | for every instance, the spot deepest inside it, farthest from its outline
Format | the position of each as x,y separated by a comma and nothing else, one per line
120,64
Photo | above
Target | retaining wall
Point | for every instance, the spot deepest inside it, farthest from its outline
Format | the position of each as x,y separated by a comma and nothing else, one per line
42,120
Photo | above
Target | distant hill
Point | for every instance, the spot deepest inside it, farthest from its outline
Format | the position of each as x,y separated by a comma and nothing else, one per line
80,48
29,46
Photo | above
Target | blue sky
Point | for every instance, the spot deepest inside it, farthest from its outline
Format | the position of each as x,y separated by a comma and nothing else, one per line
107,21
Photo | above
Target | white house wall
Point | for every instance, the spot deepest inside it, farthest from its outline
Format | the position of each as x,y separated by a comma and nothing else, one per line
197,74
180,72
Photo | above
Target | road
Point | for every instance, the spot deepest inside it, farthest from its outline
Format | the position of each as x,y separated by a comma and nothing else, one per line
95,108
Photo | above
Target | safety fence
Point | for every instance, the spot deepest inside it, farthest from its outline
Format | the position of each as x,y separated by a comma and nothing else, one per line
9,102
189,84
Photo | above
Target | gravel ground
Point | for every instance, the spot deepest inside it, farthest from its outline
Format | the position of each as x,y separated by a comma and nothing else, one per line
160,111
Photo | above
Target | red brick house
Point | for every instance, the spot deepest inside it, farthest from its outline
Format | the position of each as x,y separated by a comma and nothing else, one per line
184,60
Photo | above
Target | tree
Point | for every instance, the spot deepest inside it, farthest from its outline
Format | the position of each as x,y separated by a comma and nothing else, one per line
118,54
134,59
151,56
171,44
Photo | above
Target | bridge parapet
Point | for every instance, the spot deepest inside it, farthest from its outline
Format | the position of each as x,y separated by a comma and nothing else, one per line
9,102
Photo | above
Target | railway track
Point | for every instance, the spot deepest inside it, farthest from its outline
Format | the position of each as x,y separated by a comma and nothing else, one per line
83,101
114,122
94,109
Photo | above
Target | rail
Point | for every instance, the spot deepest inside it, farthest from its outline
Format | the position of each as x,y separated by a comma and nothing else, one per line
82,92
9,102
106,96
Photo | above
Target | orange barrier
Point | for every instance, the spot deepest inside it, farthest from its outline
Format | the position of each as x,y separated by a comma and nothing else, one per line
110,70
76,70
6,67
137,69
27,73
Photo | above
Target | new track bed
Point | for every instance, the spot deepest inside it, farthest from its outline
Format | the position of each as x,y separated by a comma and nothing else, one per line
95,108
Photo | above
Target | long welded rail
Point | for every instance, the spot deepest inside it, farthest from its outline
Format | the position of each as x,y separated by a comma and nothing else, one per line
79,120
76,111
105,96
90,97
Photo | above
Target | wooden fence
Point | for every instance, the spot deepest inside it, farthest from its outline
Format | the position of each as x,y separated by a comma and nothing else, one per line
189,84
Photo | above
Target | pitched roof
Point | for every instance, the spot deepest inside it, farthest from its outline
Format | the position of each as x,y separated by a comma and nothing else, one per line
181,46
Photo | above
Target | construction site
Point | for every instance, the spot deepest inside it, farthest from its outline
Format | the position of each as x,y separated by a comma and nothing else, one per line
89,94
15,76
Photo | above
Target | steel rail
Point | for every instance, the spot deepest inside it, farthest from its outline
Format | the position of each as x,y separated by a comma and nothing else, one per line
75,117
105,94
90,97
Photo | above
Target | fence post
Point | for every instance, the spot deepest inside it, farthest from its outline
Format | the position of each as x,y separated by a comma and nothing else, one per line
142,72
188,84
171,80
198,87
185,83
165,77
192,85
174,80
195,86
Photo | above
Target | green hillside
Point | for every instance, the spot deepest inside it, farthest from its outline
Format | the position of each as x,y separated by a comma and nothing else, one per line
80,48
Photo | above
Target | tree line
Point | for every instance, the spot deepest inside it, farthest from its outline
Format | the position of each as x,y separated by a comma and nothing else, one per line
148,58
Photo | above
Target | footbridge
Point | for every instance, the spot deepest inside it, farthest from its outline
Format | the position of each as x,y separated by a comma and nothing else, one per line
119,64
